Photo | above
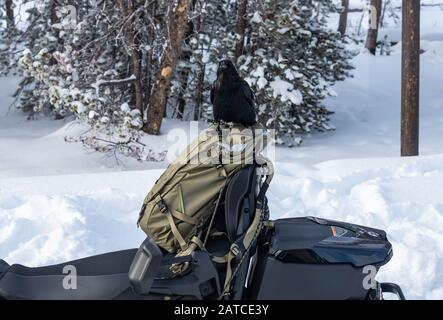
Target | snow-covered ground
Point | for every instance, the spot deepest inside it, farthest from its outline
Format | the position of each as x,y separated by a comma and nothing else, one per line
59,201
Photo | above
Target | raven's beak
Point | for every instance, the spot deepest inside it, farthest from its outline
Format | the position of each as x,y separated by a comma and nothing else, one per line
223,66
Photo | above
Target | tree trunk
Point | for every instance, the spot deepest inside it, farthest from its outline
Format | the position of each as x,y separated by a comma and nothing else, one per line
9,13
184,75
374,20
200,89
177,26
149,60
200,86
410,78
127,8
185,58
240,27
343,22
383,13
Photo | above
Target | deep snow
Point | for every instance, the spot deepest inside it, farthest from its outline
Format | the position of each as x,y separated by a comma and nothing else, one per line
59,201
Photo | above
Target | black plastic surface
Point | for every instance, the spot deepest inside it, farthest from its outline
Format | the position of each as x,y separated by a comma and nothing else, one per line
106,277
240,202
144,266
303,240
304,260
98,277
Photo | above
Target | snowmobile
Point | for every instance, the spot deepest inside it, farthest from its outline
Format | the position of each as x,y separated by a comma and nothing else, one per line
306,258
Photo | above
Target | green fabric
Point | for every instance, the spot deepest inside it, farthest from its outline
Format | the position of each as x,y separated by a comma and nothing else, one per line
190,186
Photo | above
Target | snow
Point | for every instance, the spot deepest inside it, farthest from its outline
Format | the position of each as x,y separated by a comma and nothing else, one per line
259,73
60,201
286,91
256,18
125,108
400,196
431,23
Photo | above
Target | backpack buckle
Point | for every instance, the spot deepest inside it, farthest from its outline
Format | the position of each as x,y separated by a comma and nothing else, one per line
162,206
235,250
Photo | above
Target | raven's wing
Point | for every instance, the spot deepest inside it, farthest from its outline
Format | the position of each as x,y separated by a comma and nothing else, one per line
249,95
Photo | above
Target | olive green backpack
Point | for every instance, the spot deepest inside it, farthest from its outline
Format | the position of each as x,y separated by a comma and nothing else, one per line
187,193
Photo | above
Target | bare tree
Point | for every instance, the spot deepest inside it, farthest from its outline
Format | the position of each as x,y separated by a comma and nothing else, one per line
149,66
383,13
183,76
9,13
177,27
127,9
185,57
374,22
53,13
343,22
410,78
200,86
240,27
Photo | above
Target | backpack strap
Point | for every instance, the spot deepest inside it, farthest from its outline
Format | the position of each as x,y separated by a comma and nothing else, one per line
239,249
242,245
195,242
211,222
178,267
165,210
220,144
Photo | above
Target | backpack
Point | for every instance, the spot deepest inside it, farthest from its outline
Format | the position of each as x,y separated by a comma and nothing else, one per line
187,194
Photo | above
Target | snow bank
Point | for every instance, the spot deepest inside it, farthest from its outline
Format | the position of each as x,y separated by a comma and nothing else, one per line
46,220
400,196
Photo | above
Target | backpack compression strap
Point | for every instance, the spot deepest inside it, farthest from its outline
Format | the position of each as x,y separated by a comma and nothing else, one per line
195,242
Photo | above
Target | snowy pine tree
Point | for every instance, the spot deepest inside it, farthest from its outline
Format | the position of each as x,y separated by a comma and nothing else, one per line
96,68
100,61
292,59
9,36
40,38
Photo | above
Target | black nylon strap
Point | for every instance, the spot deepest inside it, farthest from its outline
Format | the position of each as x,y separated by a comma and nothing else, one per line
253,146
262,193
220,141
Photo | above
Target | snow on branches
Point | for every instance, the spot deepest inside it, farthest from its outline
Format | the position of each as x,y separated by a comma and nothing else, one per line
292,61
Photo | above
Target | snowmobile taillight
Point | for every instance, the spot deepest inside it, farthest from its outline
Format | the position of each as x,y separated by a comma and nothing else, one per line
338,231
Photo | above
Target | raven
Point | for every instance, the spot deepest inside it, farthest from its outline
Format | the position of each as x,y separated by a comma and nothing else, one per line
231,96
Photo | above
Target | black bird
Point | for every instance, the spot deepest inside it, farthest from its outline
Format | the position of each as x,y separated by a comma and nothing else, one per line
231,96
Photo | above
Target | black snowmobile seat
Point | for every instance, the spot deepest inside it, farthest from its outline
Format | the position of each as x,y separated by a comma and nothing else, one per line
102,276
105,277
3,266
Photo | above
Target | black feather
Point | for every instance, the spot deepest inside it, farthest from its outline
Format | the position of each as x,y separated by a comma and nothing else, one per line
247,92
231,96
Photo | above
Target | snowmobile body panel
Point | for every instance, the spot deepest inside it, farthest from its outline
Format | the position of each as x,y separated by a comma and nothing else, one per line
306,259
